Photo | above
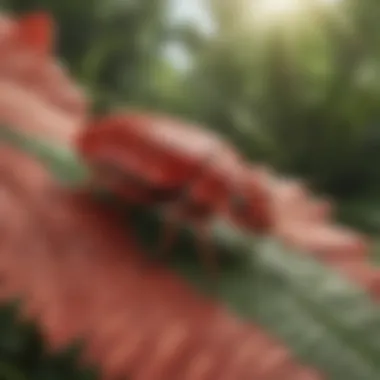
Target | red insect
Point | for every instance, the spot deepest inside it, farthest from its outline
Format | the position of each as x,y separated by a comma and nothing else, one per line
156,160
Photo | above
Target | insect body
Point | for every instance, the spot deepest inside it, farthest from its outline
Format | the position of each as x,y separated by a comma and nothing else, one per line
157,160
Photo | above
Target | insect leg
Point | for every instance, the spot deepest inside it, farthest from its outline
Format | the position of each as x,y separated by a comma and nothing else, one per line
176,215
206,251
173,218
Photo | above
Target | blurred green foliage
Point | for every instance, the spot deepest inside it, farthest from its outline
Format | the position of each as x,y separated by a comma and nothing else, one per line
23,356
301,94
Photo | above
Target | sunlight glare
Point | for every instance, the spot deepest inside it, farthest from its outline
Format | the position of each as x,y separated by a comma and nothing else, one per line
329,2
278,7
283,9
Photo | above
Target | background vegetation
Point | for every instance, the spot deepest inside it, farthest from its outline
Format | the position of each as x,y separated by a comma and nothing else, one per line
301,93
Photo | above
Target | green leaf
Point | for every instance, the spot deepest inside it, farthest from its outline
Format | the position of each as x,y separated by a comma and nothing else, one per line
325,319
61,160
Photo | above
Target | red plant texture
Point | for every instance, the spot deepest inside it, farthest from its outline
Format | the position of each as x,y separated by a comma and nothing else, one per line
82,275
